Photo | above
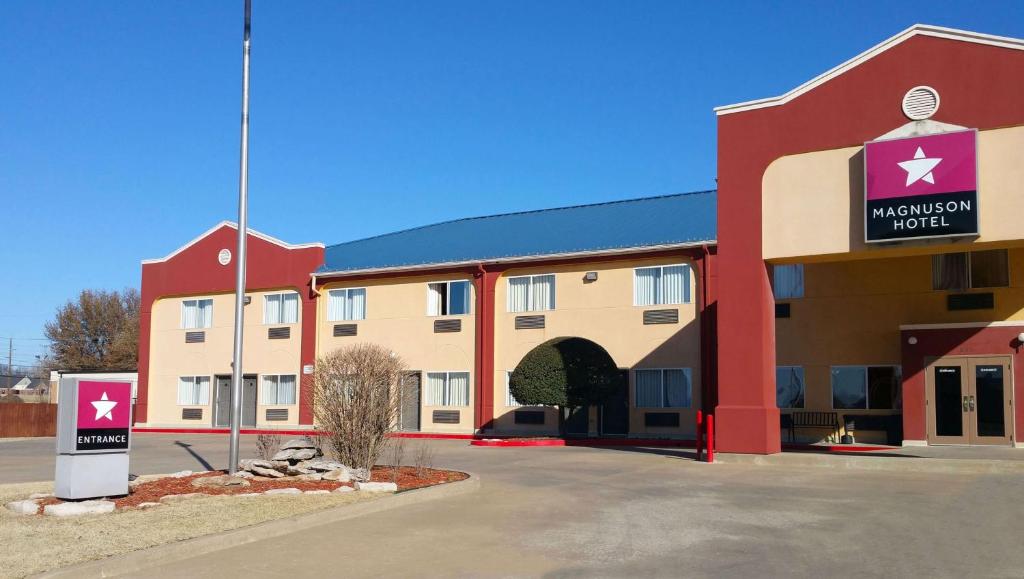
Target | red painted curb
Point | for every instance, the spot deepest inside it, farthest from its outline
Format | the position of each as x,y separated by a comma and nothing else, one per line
148,430
498,442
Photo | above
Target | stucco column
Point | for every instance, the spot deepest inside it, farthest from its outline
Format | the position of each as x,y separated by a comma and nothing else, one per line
307,354
142,395
484,283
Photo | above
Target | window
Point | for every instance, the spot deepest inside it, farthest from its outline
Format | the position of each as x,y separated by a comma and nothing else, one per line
279,389
788,281
977,269
531,293
193,390
789,386
281,308
447,389
448,298
196,314
346,304
866,387
509,399
661,285
668,388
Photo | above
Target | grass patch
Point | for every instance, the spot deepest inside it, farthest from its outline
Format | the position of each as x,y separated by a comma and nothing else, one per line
32,544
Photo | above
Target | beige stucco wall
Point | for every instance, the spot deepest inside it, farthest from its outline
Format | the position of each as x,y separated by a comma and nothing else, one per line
396,318
813,203
603,312
851,314
171,357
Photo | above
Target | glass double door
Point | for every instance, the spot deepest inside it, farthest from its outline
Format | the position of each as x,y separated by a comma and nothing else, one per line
969,401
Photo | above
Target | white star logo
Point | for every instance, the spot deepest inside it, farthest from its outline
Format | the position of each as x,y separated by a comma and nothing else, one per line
103,407
920,168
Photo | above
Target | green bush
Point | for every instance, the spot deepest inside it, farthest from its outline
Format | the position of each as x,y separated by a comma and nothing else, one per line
565,372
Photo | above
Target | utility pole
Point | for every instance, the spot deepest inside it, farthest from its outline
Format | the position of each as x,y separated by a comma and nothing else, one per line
10,360
243,199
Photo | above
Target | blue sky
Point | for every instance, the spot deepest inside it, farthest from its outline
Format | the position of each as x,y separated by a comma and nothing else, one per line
119,120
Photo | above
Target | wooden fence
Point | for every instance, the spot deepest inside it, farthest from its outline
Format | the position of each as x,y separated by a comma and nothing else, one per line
20,420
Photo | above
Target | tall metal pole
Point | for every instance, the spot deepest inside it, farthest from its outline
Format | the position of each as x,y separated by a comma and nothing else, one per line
243,199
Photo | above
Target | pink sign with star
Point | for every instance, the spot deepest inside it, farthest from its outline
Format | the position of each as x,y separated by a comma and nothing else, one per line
928,165
104,404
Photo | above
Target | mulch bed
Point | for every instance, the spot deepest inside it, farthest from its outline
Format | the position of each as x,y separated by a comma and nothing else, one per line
150,492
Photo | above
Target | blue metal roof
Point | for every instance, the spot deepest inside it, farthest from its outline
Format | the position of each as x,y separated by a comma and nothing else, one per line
646,222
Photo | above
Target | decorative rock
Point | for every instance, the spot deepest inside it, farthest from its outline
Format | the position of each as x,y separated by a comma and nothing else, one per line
298,443
181,474
377,487
298,470
244,474
248,463
339,475
285,491
40,495
317,492
344,489
145,506
359,474
267,472
313,477
324,465
295,454
29,507
76,509
247,495
220,481
179,498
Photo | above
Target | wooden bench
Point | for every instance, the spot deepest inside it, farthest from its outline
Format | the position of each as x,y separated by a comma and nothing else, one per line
794,420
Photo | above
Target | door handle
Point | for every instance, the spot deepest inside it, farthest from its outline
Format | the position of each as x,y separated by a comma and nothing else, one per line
972,403
967,404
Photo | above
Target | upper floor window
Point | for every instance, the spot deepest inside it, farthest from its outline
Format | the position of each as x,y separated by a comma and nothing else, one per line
281,308
667,388
789,386
788,281
977,269
196,314
278,389
448,298
669,284
346,304
531,293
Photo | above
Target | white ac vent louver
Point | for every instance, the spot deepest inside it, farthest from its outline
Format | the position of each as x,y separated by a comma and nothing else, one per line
920,103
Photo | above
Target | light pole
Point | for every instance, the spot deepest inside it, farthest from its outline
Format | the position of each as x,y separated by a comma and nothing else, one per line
243,198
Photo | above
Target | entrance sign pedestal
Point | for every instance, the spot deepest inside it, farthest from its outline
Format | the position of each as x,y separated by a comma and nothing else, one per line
93,439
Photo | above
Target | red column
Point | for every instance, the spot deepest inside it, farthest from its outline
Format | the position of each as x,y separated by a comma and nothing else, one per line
484,281
142,400
307,353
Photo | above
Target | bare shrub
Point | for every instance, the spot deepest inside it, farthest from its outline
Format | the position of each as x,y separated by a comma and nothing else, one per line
267,445
354,401
397,454
423,459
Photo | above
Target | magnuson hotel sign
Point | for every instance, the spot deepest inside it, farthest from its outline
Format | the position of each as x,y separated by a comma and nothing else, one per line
921,187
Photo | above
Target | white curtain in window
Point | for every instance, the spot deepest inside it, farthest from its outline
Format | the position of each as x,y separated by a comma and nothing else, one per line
270,390
336,300
196,314
193,390
645,286
272,309
543,292
202,389
186,390
675,283
290,308
518,294
509,399
788,281
648,389
435,299
677,388
357,304
435,388
286,389
458,387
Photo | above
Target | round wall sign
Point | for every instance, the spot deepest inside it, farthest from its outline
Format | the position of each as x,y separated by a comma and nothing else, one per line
224,257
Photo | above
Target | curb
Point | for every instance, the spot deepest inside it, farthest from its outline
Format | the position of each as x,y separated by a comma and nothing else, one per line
867,462
137,562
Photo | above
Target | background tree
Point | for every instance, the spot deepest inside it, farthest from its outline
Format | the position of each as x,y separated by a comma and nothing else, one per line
567,373
355,401
98,331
